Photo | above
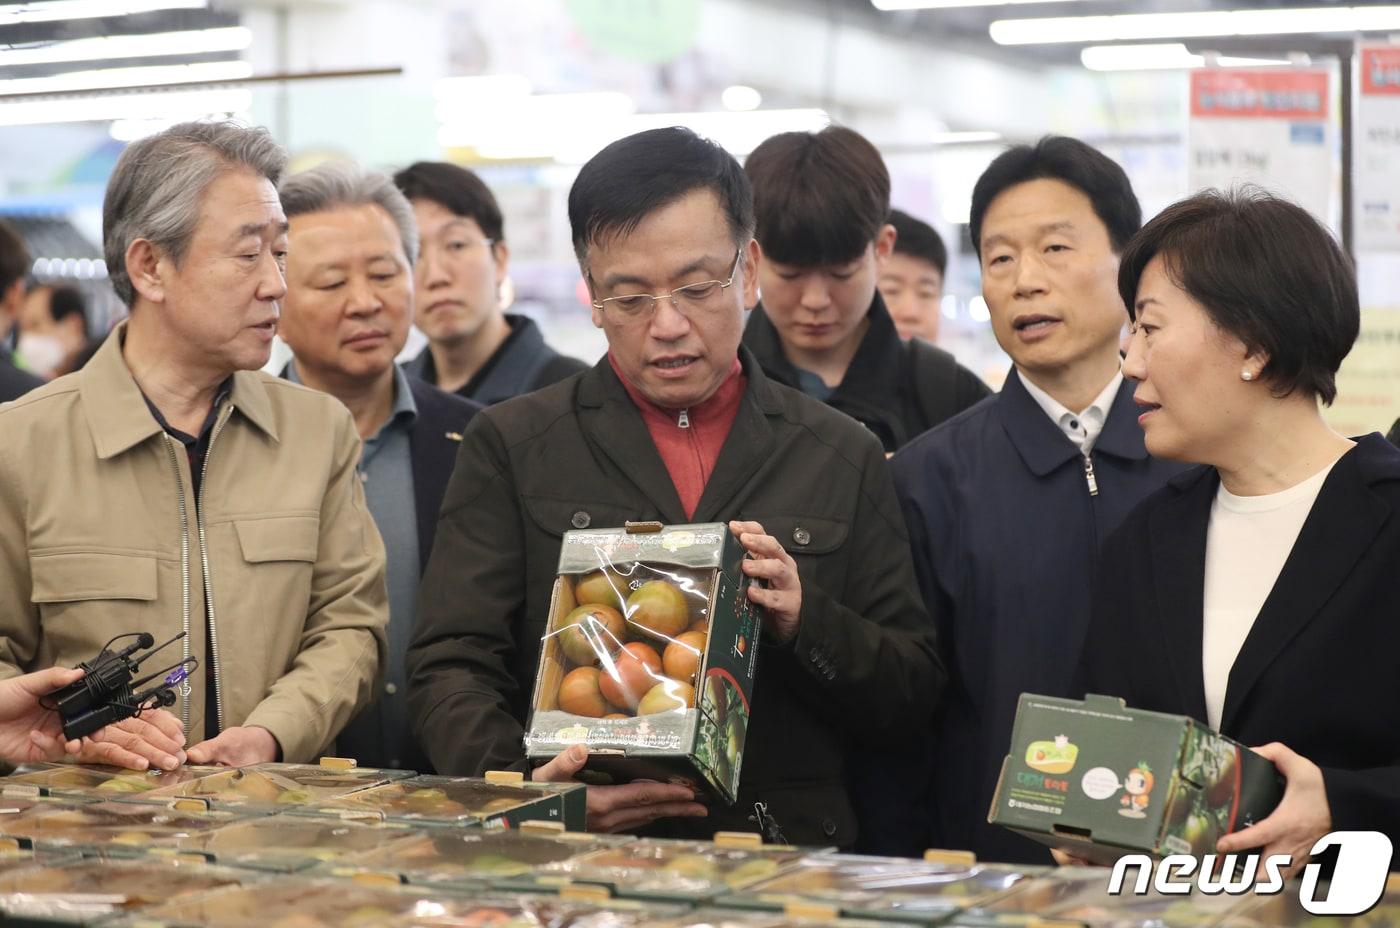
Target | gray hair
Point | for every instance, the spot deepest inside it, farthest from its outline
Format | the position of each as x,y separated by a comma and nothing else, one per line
158,186
337,184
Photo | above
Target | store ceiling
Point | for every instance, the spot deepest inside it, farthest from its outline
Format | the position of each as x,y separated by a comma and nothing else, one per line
41,34
966,28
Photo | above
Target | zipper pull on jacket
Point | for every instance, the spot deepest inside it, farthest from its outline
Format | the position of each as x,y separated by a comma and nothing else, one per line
683,420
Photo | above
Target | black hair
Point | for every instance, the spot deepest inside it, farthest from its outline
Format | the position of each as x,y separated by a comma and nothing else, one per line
456,190
918,239
65,301
1265,271
637,175
14,257
1056,157
820,197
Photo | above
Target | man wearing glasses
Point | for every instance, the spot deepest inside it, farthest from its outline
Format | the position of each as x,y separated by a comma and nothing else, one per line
678,424
475,349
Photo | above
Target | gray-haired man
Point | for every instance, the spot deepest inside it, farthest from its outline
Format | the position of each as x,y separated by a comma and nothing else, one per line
352,243
170,488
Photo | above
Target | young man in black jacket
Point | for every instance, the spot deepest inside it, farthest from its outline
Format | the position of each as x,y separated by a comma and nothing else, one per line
474,348
822,202
14,267
678,424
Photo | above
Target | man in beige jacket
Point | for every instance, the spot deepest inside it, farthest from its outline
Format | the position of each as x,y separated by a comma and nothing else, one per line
170,487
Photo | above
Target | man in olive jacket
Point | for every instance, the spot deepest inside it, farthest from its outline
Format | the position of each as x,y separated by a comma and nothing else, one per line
678,424
170,487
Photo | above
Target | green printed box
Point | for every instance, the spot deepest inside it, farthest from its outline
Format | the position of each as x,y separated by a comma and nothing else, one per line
649,655
1101,780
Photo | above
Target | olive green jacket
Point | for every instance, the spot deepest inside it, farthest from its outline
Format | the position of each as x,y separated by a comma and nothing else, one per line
101,534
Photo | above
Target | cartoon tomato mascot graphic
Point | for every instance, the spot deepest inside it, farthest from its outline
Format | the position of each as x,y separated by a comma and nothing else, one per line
1137,786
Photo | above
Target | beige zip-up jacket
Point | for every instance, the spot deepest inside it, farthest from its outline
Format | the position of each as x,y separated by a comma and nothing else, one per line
100,534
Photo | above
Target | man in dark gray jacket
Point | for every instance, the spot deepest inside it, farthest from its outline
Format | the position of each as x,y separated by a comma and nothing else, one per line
678,424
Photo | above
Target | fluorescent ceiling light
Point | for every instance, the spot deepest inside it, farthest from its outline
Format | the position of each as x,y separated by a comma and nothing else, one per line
948,4
1142,26
172,105
108,78
964,138
49,11
740,98
521,124
1169,56
223,39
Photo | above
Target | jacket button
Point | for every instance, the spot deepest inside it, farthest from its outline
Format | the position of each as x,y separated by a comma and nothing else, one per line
390,688
801,536
828,827
581,519
813,655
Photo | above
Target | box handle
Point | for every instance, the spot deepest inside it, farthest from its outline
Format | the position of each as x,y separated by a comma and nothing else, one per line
375,878
643,528
505,777
747,840
339,763
951,858
189,804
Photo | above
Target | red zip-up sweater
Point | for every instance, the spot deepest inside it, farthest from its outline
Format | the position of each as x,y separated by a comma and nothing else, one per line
690,439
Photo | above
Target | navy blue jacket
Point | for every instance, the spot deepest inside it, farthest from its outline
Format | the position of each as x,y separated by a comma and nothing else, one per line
522,364
1006,536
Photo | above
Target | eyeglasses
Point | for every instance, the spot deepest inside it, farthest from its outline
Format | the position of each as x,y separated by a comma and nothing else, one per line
696,297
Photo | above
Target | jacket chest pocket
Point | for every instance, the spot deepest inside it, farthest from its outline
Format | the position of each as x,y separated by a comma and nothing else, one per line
271,592
86,597
557,516
816,544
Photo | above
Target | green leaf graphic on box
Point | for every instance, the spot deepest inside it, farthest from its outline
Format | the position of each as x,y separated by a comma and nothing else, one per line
1057,756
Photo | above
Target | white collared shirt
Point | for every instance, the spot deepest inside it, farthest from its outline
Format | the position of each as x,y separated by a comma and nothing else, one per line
1083,427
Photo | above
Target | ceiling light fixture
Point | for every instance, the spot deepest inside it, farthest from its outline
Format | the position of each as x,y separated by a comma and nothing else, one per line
172,105
151,45
1165,57
740,98
49,11
1130,27
115,78
889,5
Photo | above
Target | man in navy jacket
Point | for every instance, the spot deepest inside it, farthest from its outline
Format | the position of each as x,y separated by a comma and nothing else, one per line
1009,502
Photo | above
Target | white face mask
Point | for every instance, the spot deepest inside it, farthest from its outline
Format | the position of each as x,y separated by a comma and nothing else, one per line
41,354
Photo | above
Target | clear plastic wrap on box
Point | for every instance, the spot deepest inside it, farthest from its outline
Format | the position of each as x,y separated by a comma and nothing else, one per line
99,782
884,886
508,799
692,870
280,785
649,655
292,842
450,855
78,891
122,828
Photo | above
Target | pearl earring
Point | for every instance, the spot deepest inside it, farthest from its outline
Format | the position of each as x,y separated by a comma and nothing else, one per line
1246,375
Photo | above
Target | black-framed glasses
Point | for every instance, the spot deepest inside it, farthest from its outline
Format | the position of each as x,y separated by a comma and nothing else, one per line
697,297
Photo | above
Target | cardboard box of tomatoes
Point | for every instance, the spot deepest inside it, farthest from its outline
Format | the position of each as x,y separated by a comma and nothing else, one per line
648,656
1101,780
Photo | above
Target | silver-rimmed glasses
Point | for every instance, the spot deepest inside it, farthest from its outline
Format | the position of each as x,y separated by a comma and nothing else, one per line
697,297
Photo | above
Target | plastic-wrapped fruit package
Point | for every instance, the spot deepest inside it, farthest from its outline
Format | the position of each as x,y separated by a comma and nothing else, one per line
101,782
1080,894
648,656
78,891
734,918
447,856
507,799
692,870
123,828
281,785
885,886
291,842
294,903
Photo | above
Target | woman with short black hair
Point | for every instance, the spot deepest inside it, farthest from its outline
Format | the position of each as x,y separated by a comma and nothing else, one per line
1257,592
